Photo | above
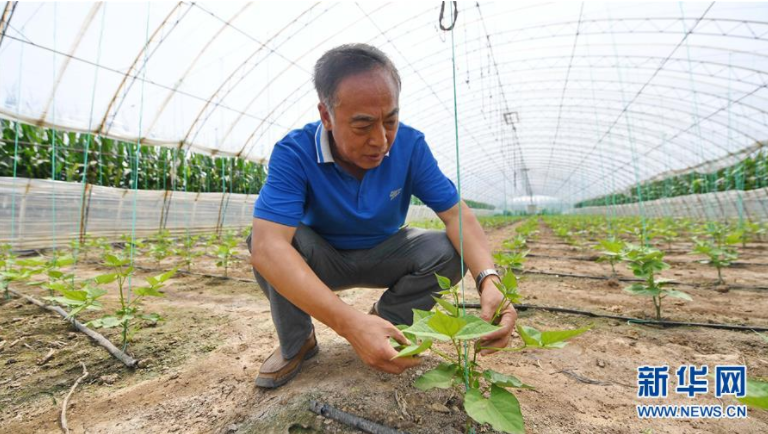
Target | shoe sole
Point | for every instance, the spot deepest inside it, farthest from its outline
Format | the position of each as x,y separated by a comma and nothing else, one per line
271,383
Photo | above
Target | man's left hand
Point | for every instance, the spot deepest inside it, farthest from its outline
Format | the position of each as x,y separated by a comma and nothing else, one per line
490,299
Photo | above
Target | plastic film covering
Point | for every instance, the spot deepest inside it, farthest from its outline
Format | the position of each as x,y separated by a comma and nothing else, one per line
564,100
42,213
725,205
28,220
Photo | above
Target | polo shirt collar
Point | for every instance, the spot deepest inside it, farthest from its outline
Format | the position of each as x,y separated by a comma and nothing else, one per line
323,145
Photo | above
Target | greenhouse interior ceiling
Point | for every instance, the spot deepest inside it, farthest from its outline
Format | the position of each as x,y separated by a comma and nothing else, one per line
572,100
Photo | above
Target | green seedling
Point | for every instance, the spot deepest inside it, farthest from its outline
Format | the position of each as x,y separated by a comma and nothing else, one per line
528,229
77,296
511,261
17,270
52,269
716,256
610,250
487,394
516,244
646,263
757,394
225,253
132,244
130,309
187,250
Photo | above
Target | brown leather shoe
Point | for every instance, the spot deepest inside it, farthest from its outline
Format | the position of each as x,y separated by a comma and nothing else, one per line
276,371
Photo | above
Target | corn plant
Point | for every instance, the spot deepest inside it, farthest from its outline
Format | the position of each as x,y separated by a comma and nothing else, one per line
487,394
131,309
646,262
610,250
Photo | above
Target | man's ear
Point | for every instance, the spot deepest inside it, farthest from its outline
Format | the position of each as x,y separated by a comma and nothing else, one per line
325,116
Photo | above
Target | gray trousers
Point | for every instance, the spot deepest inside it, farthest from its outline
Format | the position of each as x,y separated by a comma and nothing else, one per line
404,263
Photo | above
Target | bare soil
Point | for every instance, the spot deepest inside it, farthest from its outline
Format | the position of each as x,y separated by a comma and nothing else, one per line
201,361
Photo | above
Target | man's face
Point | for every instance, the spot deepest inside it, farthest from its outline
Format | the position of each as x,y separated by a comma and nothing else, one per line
365,119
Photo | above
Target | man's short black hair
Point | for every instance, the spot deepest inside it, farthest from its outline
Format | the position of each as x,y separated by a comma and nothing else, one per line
346,60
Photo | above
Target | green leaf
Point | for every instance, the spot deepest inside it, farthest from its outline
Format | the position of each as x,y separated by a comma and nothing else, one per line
64,301
148,291
757,394
167,275
504,380
419,314
475,328
73,294
445,324
677,294
501,410
409,336
412,350
422,330
113,260
509,281
448,306
441,377
152,317
444,282
640,289
547,339
104,279
106,322
556,337
529,335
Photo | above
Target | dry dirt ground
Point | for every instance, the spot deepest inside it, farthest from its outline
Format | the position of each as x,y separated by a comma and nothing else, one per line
201,361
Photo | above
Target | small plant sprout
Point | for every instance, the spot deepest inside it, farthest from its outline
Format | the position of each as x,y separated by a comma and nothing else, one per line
129,310
225,253
132,243
487,394
718,249
187,250
516,244
646,263
17,270
610,250
77,296
511,260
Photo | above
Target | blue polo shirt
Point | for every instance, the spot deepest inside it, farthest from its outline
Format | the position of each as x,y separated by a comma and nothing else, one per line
305,185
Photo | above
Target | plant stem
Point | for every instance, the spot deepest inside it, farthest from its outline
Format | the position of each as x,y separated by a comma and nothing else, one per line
441,354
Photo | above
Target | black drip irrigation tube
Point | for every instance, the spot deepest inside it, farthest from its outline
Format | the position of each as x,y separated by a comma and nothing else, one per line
736,327
348,419
631,279
593,258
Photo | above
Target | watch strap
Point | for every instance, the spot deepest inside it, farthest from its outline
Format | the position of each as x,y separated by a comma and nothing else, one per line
483,274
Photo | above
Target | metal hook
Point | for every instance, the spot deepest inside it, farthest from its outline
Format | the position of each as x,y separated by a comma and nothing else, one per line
455,15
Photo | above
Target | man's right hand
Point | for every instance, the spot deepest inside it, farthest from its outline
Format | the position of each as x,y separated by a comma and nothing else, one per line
369,336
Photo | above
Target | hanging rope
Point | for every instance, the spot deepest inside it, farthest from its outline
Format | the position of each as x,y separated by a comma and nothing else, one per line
458,173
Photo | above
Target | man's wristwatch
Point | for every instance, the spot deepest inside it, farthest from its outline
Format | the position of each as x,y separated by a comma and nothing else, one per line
483,274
